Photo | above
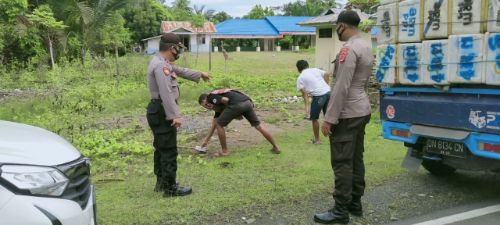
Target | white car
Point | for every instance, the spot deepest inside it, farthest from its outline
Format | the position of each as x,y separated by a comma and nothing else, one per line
44,180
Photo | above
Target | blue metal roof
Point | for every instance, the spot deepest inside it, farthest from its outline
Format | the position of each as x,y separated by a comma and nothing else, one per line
271,26
245,27
288,24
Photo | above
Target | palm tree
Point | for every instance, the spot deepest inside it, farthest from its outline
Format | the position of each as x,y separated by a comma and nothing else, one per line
200,10
85,17
43,18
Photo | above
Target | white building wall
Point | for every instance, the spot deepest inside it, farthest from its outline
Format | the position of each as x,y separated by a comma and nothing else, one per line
328,48
202,48
152,46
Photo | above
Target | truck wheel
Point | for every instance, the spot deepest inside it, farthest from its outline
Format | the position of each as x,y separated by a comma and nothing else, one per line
437,168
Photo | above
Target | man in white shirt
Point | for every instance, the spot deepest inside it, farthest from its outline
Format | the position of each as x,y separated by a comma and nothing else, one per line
313,82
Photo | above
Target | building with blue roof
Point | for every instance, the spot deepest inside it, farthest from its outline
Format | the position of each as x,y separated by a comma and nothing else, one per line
246,29
288,25
266,30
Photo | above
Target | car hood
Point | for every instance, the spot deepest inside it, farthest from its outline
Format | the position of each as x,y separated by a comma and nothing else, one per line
24,144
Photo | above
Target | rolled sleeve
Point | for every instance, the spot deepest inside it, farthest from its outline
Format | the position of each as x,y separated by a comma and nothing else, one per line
166,93
187,73
345,73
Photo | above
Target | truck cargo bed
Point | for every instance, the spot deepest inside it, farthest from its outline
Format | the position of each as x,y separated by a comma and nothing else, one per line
470,109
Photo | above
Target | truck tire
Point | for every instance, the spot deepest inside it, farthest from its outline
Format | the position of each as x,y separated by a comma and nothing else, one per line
437,168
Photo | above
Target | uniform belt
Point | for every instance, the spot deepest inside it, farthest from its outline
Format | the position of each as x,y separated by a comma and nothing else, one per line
156,100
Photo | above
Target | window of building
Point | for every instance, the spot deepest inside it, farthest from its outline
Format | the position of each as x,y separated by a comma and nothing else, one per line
203,40
325,33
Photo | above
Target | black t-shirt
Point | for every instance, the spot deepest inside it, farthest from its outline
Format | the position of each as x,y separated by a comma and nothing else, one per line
234,98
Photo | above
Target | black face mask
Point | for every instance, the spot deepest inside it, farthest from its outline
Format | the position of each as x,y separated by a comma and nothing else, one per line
178,52
339,33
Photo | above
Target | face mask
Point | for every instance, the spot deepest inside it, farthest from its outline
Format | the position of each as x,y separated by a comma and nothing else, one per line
178,52
339,33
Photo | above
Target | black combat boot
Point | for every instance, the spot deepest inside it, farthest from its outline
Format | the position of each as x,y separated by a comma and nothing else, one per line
338,215
177,190
355,207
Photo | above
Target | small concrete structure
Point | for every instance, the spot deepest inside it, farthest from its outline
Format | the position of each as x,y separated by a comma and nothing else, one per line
195,39
327,42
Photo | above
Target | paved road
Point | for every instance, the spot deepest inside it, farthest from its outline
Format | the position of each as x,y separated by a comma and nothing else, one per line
490,219
486,213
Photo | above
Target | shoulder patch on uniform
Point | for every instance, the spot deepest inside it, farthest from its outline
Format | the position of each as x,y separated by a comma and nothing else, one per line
344,52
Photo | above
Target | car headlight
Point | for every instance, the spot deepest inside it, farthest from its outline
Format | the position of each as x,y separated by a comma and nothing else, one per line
35,179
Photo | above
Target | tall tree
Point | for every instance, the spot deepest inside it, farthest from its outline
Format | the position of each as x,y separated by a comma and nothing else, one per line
307,8
16,42
220,17
43,18
113,34
85,18
181,10
201,10
144,21
366,6
259,12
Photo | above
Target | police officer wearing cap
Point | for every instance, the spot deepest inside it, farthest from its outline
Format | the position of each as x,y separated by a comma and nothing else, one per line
346,117
163,114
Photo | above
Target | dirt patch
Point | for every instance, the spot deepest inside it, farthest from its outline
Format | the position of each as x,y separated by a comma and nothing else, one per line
16,93
240,133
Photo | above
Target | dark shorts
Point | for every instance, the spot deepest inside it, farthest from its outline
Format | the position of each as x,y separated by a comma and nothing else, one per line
318,104
234,111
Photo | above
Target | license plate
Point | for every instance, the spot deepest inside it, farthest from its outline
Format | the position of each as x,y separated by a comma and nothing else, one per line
446,148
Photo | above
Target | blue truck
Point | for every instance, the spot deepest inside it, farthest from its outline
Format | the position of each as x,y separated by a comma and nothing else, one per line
448,129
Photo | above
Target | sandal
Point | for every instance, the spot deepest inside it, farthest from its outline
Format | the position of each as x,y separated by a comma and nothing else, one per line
200,149
312,141
221,154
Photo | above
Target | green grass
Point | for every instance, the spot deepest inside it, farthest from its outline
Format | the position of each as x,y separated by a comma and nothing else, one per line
103,116
254,177
74,100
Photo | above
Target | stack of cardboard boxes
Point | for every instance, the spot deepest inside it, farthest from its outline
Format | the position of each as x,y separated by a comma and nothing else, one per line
438,42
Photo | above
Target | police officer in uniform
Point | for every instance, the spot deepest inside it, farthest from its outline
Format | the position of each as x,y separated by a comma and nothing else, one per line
345,120
163,113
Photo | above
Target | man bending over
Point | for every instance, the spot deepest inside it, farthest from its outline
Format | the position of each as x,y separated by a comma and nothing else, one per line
231,104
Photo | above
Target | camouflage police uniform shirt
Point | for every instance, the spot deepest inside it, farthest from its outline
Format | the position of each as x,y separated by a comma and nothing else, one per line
162,83
353,68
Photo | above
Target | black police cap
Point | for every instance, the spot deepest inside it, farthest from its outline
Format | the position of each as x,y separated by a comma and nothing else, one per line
349,17
171,39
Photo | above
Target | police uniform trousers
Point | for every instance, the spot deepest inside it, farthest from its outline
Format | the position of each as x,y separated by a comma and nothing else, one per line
347,148
165,144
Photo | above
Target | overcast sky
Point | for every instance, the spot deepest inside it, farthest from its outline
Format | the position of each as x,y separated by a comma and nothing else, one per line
237,8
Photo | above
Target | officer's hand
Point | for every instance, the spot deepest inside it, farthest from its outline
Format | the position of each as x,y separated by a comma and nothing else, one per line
177,122
205,77
326,129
